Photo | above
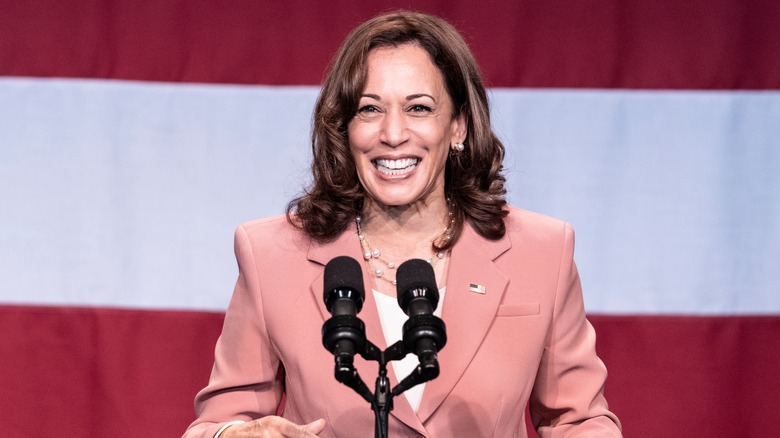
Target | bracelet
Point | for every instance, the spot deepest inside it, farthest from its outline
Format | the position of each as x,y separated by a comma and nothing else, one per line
226,425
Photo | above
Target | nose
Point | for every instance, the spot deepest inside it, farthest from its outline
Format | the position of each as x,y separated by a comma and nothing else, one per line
394,129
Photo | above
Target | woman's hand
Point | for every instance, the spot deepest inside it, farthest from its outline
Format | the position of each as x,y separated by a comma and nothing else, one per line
274,427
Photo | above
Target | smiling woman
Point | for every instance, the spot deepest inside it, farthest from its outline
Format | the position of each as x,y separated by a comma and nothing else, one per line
402,133
406,166
473,179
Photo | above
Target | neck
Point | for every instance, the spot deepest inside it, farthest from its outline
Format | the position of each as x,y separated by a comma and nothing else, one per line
390,236
406,225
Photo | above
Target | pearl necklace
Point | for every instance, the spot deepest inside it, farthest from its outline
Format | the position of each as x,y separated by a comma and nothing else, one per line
372,254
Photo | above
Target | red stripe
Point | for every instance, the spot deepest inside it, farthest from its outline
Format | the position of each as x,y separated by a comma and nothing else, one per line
692,376
81,372
109,372
713,44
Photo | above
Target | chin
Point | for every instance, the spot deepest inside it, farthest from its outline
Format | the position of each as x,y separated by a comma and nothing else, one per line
406,198
400,194
390,200
395,202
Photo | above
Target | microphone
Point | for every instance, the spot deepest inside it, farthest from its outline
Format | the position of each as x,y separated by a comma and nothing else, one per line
343,286
424,333
344,333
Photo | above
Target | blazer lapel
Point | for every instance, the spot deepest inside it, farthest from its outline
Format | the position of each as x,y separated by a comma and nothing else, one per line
466,314
348,244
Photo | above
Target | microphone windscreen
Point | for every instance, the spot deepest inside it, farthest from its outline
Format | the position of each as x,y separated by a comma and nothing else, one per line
343,273
416,275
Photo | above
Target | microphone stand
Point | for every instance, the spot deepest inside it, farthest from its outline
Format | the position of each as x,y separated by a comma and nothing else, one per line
382,399
344,334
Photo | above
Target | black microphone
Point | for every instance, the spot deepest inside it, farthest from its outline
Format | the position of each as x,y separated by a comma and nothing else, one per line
343,286
424,333
344,333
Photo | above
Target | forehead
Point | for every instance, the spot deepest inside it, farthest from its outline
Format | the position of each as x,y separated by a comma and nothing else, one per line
403,64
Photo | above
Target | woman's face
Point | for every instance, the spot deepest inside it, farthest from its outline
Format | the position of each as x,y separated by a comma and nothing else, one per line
403,129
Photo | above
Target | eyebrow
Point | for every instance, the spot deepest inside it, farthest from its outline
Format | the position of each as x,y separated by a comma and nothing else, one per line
415,96
408,98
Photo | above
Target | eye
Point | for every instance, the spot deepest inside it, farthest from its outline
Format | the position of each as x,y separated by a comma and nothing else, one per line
368,109
420,108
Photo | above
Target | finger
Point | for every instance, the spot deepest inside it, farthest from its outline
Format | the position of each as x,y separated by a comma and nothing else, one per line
316,426
292,430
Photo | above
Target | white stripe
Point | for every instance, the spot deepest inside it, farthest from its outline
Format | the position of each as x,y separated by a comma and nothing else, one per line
675,196
126,194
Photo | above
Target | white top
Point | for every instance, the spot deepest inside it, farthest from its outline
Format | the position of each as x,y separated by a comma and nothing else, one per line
392,319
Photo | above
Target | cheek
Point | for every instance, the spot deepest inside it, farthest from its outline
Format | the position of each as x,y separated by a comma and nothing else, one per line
359,156
359,137
358,149
442,144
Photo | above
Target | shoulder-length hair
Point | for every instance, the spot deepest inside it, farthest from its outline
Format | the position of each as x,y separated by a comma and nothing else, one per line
474,183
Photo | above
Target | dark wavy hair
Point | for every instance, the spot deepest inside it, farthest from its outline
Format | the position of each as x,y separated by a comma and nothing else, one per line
474,182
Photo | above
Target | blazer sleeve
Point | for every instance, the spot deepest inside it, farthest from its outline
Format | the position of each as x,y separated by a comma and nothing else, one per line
568,398
247,379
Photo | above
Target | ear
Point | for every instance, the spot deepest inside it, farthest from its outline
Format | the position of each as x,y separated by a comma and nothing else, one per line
459,128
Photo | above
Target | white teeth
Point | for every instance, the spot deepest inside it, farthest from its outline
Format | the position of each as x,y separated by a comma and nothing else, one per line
396,167
397,164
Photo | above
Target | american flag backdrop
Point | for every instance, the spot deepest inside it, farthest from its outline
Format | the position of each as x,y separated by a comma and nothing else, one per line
135,135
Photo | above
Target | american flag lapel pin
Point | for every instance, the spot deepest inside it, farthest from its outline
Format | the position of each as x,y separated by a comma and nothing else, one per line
477,288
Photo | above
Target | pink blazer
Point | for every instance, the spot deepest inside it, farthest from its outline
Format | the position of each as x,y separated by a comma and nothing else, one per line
525,340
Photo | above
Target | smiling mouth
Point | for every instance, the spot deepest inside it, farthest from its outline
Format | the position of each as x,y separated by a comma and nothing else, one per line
396,167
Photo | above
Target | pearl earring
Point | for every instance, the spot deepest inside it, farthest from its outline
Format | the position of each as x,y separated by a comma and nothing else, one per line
458,147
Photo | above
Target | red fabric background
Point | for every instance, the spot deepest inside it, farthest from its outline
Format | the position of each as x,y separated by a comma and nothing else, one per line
689,376
107,372
79,372
703,44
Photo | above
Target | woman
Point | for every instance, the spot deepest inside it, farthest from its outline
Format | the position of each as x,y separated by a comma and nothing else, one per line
407,166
